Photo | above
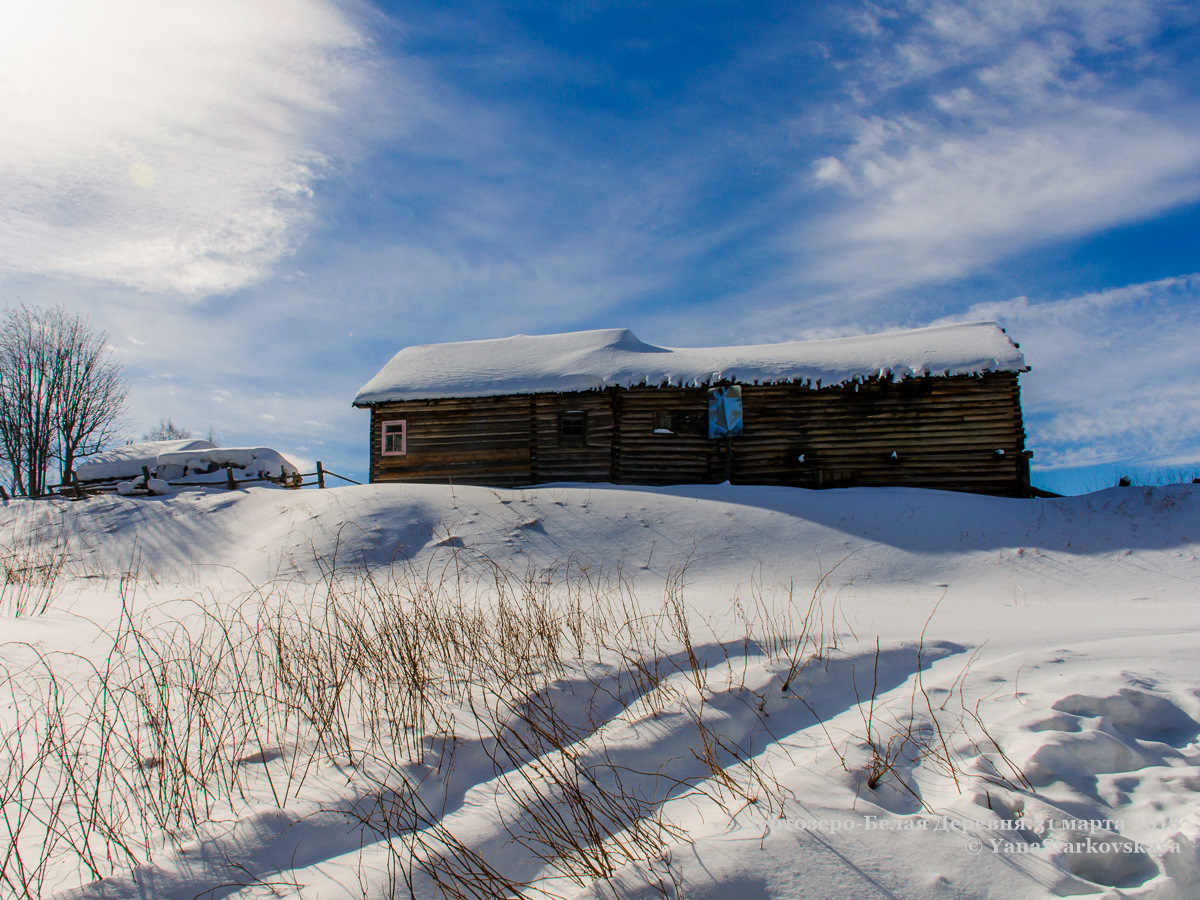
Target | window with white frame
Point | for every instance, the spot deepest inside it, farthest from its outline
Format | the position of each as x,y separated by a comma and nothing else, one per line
395,437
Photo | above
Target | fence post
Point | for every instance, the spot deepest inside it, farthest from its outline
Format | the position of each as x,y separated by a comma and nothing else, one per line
320,475
229,476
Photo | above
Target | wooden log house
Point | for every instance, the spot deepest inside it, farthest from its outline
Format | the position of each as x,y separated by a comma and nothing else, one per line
936,407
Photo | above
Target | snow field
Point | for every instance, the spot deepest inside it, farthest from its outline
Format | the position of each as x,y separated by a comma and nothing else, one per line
580,692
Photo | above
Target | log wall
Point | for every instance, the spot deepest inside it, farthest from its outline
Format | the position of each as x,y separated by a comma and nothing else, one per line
685,456
938,432
557,460
922,432
481,440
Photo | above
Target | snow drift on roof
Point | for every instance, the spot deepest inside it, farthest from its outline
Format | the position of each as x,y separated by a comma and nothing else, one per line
127,461
614,357
209,465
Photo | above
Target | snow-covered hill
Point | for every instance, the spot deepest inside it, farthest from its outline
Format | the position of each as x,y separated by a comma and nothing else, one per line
726,691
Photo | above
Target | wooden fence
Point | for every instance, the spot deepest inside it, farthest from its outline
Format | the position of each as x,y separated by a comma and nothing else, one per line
77,490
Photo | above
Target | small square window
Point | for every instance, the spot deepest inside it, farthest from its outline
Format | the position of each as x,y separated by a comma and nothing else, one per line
662,423
395,437
572,427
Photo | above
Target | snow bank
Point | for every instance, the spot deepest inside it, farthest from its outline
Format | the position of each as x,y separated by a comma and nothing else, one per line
187,461
594,360
208,466
127,461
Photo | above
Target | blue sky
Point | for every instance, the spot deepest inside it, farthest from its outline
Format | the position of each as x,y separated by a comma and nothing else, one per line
262,202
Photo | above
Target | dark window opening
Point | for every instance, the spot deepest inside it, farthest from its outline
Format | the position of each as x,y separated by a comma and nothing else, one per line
662,423
572,428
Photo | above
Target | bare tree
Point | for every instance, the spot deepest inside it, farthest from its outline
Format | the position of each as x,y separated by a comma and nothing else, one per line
166,430
92,395
29,386
61,393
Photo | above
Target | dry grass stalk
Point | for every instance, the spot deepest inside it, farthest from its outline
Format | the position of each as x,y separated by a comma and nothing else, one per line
191,719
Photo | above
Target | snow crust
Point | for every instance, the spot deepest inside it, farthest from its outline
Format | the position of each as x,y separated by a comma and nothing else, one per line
127,461
594,360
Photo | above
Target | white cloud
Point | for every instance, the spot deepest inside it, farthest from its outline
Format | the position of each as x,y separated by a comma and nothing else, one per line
165,146
929,205
949,31
1113,373
1020,122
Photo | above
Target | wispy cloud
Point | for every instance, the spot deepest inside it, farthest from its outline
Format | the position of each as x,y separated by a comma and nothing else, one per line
927,206
979,129
166,147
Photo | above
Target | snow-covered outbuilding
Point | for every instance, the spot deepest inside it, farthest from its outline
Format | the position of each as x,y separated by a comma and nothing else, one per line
931,407
120,463
223,464
184,462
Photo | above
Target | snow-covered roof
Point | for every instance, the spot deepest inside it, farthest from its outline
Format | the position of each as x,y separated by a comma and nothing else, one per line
614,357
206,465
127,461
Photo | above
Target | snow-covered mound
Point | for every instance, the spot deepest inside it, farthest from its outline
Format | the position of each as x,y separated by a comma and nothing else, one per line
184,462
705,691
209,465
127,461
614,357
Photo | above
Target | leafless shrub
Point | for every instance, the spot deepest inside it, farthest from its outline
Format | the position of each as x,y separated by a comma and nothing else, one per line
887,745
581,813
783,630
29,579
944,738
424,854
967,728
57,761
32,562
